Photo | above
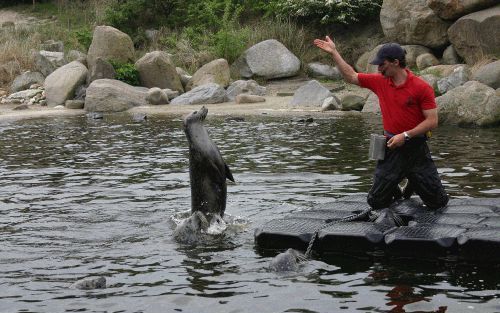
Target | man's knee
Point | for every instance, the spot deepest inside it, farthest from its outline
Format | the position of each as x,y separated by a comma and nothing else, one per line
377,202
440,201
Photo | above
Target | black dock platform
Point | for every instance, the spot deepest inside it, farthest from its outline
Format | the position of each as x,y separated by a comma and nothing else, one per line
466,228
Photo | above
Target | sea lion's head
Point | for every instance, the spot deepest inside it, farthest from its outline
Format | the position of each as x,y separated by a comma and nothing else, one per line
195,117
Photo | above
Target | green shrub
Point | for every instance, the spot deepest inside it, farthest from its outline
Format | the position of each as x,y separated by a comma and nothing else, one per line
84,37
126,72
328,11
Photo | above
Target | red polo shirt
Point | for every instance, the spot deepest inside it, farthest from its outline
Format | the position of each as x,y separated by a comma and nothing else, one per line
402,105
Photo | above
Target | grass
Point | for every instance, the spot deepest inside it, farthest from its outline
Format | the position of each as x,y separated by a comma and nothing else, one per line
72,22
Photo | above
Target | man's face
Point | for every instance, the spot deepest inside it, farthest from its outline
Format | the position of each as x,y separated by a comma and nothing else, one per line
388,68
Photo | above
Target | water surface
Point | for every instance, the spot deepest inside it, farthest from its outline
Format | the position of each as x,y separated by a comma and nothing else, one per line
82,197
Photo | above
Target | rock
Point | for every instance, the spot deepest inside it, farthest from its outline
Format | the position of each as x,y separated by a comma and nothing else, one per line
441,70
47,61
101,69
25,80
75,55
74,104
431,80
412,53
268,59
246,98
372,104
156,69
331,103
109,95
63,82
426,60
216,72
184,76
310,94
209,93
489,74
109,43
171,94
363,63
245,86
477,34
413,22
453,9
90,283
320,70
459,76
52,45
24,94
352,102
156,96
450,56
472,104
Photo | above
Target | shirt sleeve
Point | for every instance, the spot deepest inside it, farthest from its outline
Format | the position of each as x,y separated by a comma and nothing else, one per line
369,81
427,100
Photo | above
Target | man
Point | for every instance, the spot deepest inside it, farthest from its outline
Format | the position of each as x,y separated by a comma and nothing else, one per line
409,111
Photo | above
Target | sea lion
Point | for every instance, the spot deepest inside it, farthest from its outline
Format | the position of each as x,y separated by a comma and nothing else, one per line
207,169
90,283
287,261
189,231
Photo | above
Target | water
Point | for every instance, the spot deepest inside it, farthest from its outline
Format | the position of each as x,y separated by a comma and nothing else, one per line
81,197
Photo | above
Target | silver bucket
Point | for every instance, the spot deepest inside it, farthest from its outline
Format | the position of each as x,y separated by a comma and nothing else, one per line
377,147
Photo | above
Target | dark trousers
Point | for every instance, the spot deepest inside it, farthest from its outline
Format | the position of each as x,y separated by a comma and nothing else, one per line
413,161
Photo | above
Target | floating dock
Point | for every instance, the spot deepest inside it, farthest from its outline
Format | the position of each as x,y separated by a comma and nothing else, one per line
466,228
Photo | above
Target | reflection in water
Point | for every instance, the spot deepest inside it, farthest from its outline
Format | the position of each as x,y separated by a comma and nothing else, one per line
82,197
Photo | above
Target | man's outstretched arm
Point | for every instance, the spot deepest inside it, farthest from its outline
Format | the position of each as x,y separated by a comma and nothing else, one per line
345,69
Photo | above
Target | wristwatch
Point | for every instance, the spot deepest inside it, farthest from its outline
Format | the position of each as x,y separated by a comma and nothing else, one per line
407,137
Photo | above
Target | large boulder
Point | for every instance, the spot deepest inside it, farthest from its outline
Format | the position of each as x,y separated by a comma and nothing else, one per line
320,70
453,9
209,93
310,94
477,34
250,87
441,71
48,61
472,104
489,74
156,69
216,71
52,45
413,52
109,43
363,63
426,60
109,95
101,69
372,104
413,22
458,77
61,84
267,59
25,80
352,102
450,56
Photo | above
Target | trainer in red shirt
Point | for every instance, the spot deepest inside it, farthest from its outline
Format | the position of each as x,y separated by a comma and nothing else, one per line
408,110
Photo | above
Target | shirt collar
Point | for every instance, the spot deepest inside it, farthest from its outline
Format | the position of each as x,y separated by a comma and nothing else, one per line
409,77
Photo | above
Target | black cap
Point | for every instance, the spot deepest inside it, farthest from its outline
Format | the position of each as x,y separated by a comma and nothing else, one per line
389,51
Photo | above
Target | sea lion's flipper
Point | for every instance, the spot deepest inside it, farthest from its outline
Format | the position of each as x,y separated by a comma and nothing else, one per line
229,175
